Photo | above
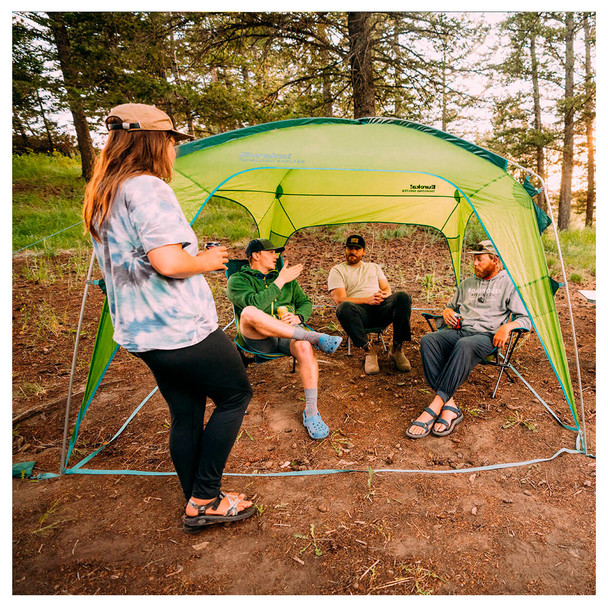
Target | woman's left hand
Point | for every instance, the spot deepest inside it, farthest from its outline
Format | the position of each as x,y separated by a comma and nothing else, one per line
214,258
174,262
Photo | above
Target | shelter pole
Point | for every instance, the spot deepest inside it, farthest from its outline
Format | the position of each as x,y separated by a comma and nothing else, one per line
74,356
561,259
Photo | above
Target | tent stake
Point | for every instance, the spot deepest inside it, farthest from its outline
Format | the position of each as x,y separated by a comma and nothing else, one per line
561,259
74,356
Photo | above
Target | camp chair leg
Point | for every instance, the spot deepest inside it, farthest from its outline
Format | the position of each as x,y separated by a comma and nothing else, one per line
293,367
381,336
502,369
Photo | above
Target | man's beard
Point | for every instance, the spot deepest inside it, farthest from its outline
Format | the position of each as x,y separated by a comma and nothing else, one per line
486,272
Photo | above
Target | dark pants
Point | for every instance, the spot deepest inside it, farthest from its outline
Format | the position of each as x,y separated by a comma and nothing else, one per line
186,377
449,355
356,318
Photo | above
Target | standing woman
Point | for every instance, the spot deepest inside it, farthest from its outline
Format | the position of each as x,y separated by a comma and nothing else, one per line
162,308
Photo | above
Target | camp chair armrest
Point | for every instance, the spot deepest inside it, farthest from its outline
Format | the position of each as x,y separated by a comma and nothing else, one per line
428,315
520,330
432,319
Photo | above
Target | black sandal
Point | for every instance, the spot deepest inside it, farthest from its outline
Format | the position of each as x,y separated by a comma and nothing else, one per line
427,426
449,425
195,523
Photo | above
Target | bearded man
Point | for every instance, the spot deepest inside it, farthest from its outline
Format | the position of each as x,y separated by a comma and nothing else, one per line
479,317
365,300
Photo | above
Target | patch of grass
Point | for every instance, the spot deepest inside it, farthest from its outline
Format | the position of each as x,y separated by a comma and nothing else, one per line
222,219
41,269
47,199
518,419
428,286
397,232
413,578
32,389
578,250
43,320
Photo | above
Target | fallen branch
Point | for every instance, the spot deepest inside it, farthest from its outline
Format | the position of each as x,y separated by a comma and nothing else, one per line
38,409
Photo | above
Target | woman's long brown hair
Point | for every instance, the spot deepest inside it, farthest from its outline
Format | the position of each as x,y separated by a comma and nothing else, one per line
126,154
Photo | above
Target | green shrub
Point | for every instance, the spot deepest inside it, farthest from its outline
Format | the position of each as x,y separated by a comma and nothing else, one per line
474,233
578,251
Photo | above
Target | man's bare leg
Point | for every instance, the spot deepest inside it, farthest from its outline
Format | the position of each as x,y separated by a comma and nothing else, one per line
309,373
257,325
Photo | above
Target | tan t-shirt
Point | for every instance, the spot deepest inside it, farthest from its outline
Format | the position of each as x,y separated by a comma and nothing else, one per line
359,281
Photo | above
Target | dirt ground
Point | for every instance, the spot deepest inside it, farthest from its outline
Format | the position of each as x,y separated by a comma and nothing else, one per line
523,530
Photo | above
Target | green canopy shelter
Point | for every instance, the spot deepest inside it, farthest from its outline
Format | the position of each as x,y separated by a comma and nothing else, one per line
301,173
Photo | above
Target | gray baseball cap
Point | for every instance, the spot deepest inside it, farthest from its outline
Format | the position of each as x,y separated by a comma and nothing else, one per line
484,247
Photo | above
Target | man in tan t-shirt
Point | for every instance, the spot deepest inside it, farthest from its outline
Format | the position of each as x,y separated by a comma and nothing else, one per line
364,299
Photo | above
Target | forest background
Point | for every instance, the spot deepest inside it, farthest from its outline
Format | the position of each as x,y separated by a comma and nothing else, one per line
521,84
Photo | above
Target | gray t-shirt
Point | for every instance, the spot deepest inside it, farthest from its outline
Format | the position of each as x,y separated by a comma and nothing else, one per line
359,281
485,305
150,311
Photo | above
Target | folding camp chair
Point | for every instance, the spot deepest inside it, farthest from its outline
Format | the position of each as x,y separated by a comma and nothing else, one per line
496,357
256,357
379,331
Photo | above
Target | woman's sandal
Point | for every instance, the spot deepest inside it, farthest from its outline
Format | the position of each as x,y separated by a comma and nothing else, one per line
195,523
425,425
449,425
315,426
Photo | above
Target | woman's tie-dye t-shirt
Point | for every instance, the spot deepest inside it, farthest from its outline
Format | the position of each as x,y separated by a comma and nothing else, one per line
150,311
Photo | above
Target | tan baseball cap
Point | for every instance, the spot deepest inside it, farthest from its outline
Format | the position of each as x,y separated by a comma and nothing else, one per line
142,117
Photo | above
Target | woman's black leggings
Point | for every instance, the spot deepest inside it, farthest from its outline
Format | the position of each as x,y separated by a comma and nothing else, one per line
186,377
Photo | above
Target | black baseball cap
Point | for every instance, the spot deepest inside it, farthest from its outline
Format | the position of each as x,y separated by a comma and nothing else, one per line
261,245
355,240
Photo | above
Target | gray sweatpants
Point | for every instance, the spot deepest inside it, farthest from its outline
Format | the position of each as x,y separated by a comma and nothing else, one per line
449,355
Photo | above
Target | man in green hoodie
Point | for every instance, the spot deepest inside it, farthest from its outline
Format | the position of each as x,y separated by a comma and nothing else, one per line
272,310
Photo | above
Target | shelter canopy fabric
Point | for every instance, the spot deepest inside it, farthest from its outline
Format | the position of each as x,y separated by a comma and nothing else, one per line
310,172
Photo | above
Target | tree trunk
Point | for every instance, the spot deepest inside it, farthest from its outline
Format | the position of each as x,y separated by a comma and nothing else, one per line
565,194
328,108
362,77
21,130
538,125
70,79
444,87
396,53
47,128
589,116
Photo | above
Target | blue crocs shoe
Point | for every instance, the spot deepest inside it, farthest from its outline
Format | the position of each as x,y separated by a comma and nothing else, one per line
315,426
329,344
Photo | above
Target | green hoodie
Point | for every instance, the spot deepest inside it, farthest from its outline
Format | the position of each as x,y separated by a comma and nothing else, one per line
250,287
